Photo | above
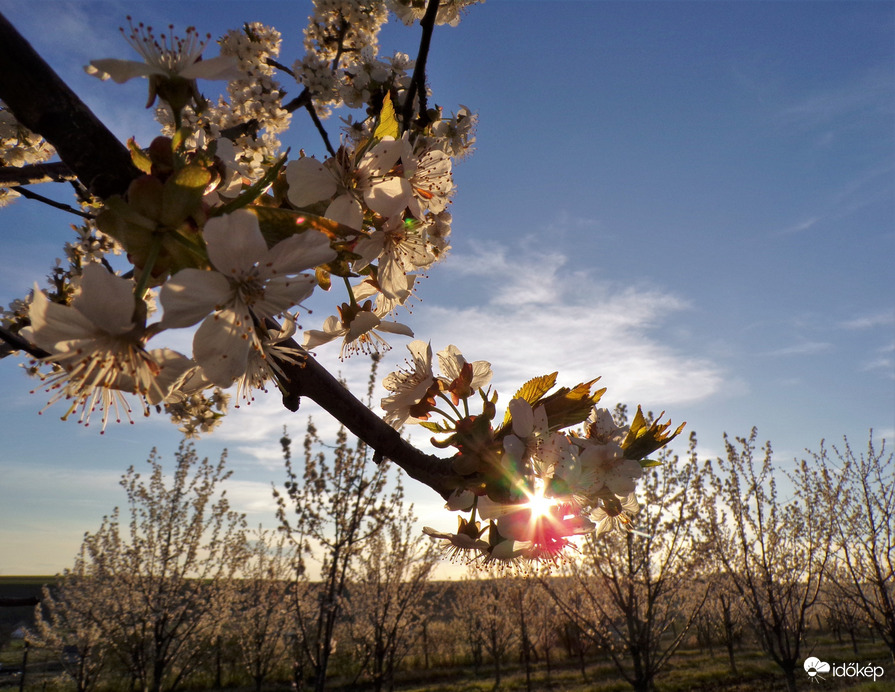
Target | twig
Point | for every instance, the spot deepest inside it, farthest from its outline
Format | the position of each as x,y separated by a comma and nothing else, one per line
418,81
280,66
17,343
56,172
322,130
28,194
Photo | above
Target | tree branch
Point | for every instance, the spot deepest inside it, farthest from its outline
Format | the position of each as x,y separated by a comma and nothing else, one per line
312,380
56,172
13,342
418,81
28,194
45,104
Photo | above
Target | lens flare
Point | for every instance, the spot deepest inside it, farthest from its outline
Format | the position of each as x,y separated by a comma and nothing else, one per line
539,505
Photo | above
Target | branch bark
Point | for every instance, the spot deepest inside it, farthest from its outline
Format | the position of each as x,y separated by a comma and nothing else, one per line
45,104
312,380
55,172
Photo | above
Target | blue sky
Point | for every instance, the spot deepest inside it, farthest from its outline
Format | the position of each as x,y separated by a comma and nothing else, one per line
693,200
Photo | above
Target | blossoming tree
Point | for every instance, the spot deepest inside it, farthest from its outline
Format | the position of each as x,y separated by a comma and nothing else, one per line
212,227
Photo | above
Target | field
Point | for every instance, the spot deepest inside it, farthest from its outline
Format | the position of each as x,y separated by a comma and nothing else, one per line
690,670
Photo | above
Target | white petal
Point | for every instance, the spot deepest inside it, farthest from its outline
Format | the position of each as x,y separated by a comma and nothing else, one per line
52,324
190,295
380,159
392,280
282,293
221,67
450,361
347,210
369,249
299,252
221,348
394,328
123,70
364,322
481,374
309,182
234,242
388,197
173,366
106,300
523,417
332,329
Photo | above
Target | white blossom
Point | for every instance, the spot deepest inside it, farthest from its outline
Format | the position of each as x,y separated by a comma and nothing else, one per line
249,284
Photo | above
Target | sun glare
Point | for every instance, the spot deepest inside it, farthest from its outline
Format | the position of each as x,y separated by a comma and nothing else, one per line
540,505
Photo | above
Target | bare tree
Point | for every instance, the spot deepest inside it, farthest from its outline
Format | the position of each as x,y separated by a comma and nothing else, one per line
386,592
67,621
259,614
775,553
330,511
466,617
156,589
637,589
865,532
490,605
723,615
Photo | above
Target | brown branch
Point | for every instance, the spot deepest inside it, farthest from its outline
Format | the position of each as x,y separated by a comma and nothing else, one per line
312,380
45,104
418,81
28,194
22,602
56,172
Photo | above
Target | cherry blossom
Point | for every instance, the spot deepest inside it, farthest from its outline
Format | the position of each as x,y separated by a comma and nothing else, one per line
166,58
351,187
358,327
409,387
249,284
99,348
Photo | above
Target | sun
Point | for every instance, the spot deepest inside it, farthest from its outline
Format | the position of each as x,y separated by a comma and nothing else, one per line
540,505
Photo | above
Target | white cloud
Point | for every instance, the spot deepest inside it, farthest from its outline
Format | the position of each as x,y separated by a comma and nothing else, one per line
803,349
538,316
883,318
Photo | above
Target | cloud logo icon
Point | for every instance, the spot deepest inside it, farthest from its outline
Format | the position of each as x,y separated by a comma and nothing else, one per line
814,666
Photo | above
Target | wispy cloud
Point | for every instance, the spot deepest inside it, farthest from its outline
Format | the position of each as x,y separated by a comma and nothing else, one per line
800,226
805,348
538,315
884,318
882,362
871,93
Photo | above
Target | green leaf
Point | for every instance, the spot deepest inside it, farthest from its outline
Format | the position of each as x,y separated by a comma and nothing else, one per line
643,440
279,224
432,426
532,391
567,407
139,157
388,123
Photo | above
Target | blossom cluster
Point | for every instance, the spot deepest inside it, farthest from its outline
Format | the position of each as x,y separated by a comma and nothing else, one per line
528,486
19,147
225,237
